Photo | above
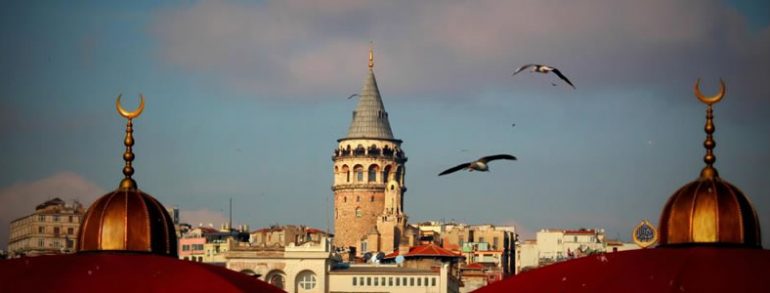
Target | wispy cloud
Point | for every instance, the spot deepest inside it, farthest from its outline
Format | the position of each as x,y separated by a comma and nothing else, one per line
286,48
20,199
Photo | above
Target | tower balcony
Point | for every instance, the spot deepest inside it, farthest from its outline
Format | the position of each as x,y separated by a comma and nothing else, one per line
399,156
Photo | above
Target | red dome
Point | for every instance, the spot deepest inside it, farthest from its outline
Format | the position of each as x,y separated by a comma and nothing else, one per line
121,272
694,269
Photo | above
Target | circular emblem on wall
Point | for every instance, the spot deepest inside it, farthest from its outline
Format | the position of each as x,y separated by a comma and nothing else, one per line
645,234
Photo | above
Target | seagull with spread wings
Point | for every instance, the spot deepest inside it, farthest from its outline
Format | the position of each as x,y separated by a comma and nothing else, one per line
478,165
545,69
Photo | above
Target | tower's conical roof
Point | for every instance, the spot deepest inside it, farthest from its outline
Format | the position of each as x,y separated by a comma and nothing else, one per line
370,119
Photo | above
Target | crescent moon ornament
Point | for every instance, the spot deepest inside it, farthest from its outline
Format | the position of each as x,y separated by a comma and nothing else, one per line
127,114
710,100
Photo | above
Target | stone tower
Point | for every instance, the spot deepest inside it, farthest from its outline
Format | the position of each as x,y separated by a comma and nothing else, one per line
369,177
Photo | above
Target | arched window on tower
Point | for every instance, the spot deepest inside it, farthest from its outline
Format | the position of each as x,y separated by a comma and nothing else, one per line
398,174
359,151
373,169
359,212
359,173
386,174
346,170
387,151
373,150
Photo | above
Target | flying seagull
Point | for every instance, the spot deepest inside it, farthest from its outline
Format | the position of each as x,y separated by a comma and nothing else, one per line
478,165
351,96
544,69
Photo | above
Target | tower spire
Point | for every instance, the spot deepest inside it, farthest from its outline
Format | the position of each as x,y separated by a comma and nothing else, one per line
370,120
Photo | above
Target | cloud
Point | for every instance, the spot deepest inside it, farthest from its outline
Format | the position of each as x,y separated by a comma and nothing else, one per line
202,217
20,199
296,49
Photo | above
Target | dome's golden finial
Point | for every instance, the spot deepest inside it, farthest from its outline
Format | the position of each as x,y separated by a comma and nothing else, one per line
371,55
128,183
709,144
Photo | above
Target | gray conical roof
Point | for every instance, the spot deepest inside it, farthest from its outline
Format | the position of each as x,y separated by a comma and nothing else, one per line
370,119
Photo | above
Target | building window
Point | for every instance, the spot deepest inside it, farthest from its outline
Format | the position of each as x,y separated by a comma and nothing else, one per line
411,281
359,213
306,280
495,240
70,231
40,229
56,230
403,281
277,279
358,198
419,281
70,218
56,218
345,199
40,243
354,281
360,281
398,281
359,173
385,174
368,281
433,282
481,239
371,199
376,281
382,281
185,247
390,281
373,169
41,218
426,281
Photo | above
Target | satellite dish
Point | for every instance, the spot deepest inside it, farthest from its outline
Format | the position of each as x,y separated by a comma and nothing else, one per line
367,256
380,255
400,259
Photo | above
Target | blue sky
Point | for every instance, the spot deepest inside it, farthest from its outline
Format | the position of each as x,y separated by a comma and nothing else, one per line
246,100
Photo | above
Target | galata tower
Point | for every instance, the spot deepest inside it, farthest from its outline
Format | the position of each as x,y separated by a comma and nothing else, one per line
369,177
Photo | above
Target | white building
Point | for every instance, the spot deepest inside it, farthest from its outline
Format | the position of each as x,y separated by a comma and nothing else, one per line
554,245
294,268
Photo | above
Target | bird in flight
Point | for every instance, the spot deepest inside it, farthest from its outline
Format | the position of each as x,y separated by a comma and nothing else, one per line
351,96
478,165
544,69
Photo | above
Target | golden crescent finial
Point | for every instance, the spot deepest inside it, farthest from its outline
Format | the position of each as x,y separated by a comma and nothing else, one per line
371,55
712,99
130,115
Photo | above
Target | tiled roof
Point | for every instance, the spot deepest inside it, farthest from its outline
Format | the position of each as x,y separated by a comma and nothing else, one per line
370,119
474,266
430,250
392,254
580,232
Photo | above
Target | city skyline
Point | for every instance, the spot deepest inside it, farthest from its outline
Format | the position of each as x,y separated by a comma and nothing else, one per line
245,99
